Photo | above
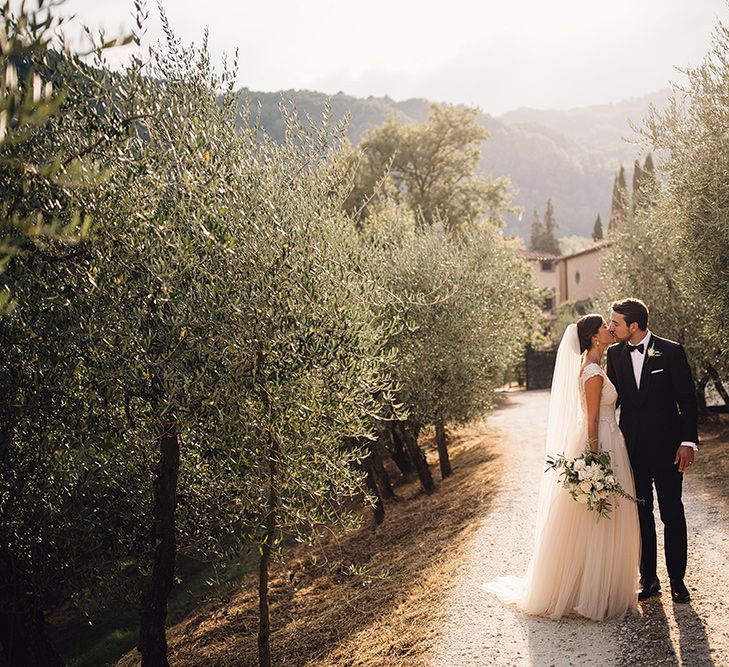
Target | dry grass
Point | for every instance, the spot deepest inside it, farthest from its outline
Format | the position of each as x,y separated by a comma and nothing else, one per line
368,598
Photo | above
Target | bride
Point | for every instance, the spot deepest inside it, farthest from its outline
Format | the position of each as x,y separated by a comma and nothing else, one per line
581,564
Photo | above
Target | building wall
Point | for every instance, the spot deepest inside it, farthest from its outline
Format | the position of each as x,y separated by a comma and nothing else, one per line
544,279
545,272
579,276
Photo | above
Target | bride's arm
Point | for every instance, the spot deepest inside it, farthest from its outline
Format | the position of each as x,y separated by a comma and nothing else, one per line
593,388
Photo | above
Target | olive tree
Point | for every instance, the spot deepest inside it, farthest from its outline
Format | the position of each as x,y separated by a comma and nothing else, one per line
431,168
207,350
691,137
466,304
672,252
478,307
34,81
50,169
637,263
417,197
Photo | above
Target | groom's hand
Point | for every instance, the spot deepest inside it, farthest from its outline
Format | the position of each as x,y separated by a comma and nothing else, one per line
684,457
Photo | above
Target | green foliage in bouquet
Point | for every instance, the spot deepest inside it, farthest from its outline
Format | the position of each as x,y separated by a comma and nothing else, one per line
590,481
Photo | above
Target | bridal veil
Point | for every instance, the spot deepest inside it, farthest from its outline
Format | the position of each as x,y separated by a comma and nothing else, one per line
563,437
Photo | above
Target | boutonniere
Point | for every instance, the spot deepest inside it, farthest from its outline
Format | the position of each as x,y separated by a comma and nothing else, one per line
652,352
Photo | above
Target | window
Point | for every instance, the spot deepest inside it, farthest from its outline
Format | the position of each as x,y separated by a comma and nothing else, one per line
547,265
577,277
548,303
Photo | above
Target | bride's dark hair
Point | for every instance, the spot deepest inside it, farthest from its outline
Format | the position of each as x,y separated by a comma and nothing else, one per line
587,327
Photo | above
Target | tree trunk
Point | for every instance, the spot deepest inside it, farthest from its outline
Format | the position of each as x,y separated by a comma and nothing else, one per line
152,639
701,394
266,549
417,456
714,374
441,442
264,615
383,479
397,450
23,639
368,464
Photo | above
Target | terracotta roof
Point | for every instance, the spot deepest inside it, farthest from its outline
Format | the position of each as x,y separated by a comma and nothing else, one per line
538,255
593,248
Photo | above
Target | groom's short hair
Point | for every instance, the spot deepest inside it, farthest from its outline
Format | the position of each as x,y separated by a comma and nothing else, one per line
633,310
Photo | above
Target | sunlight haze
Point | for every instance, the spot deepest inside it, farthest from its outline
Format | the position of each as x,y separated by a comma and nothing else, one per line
498,56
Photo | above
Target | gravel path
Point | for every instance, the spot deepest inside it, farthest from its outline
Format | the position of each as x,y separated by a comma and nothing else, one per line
479,630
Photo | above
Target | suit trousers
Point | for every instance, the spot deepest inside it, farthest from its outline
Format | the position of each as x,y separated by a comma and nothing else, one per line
661,472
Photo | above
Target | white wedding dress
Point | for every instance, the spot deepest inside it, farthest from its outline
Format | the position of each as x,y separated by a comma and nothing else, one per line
581,564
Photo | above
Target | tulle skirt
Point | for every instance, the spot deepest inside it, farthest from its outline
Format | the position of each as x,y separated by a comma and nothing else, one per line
583,564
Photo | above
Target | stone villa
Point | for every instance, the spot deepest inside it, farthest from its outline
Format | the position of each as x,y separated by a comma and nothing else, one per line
573,277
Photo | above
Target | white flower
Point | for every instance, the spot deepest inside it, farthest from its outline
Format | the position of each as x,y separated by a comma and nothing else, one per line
652,352
590,484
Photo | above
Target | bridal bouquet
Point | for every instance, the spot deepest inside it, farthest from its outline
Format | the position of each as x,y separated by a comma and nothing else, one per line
589,480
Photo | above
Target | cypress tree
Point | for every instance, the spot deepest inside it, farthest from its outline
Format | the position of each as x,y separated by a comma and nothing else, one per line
638,185
597,234
537,236
648,167
550,244
620,200
614,207
622,188
649,179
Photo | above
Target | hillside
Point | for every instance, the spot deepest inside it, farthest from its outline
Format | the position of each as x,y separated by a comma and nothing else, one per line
603,129
570,156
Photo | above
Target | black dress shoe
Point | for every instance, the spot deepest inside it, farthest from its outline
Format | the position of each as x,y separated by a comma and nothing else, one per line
650,589
679,592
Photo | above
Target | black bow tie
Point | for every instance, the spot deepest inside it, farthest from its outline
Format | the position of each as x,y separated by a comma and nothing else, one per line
633,348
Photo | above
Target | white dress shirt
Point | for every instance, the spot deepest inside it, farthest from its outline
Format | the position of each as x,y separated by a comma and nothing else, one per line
637,358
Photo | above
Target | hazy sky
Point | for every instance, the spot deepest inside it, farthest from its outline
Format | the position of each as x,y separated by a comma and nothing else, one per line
498,55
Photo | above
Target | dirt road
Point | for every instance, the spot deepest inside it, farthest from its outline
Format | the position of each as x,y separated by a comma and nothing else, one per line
478,630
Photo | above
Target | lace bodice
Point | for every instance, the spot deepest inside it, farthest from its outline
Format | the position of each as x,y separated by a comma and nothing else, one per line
608,394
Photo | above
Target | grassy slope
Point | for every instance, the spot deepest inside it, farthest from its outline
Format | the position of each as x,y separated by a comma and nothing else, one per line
362,599
107,633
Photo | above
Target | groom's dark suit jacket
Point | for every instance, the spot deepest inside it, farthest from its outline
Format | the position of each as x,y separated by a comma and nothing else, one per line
656,418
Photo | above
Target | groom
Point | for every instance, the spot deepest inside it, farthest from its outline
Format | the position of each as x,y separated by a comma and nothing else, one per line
658,418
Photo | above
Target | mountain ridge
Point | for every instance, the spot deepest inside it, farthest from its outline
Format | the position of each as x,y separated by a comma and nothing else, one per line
570,156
